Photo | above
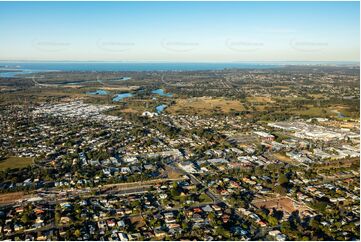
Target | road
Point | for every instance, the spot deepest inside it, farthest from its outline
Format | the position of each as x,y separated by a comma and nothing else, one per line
217,199
196,181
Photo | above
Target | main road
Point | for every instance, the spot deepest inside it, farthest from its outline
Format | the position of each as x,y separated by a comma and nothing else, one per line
196,181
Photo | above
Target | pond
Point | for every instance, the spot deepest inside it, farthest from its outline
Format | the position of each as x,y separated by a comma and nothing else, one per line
98,92
341,115
162,93
126,78
121,96
160,108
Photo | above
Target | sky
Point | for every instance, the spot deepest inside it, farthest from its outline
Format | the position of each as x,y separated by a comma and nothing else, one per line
180,31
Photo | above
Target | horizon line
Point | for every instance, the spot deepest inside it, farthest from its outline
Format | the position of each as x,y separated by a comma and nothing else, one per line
171,61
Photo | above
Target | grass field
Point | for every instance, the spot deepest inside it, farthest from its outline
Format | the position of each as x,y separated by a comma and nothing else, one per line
15,162
315,112
317,96
172,174
260,100
283,158
205,106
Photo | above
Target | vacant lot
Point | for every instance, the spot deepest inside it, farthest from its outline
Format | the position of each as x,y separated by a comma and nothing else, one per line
172,173
205,106
285,204
8,198
282,203
15,162
138,222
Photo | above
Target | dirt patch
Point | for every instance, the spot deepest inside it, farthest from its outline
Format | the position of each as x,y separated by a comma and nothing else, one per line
285,204
138,221
129,110
172,173
7,198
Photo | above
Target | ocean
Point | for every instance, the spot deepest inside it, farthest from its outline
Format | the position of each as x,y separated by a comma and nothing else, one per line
10,69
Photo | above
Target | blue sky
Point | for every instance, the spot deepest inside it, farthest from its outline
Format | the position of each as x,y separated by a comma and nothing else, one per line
180,31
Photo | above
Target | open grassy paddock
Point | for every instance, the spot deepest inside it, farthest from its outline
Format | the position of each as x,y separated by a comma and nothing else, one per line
15,162
205,106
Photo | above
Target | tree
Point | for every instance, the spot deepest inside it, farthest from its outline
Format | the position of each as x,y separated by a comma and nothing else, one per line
57,215
319,205
285,227
281,190
203,197
77,233
272,220
282,179
25,218
211,216
174,193
184,225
